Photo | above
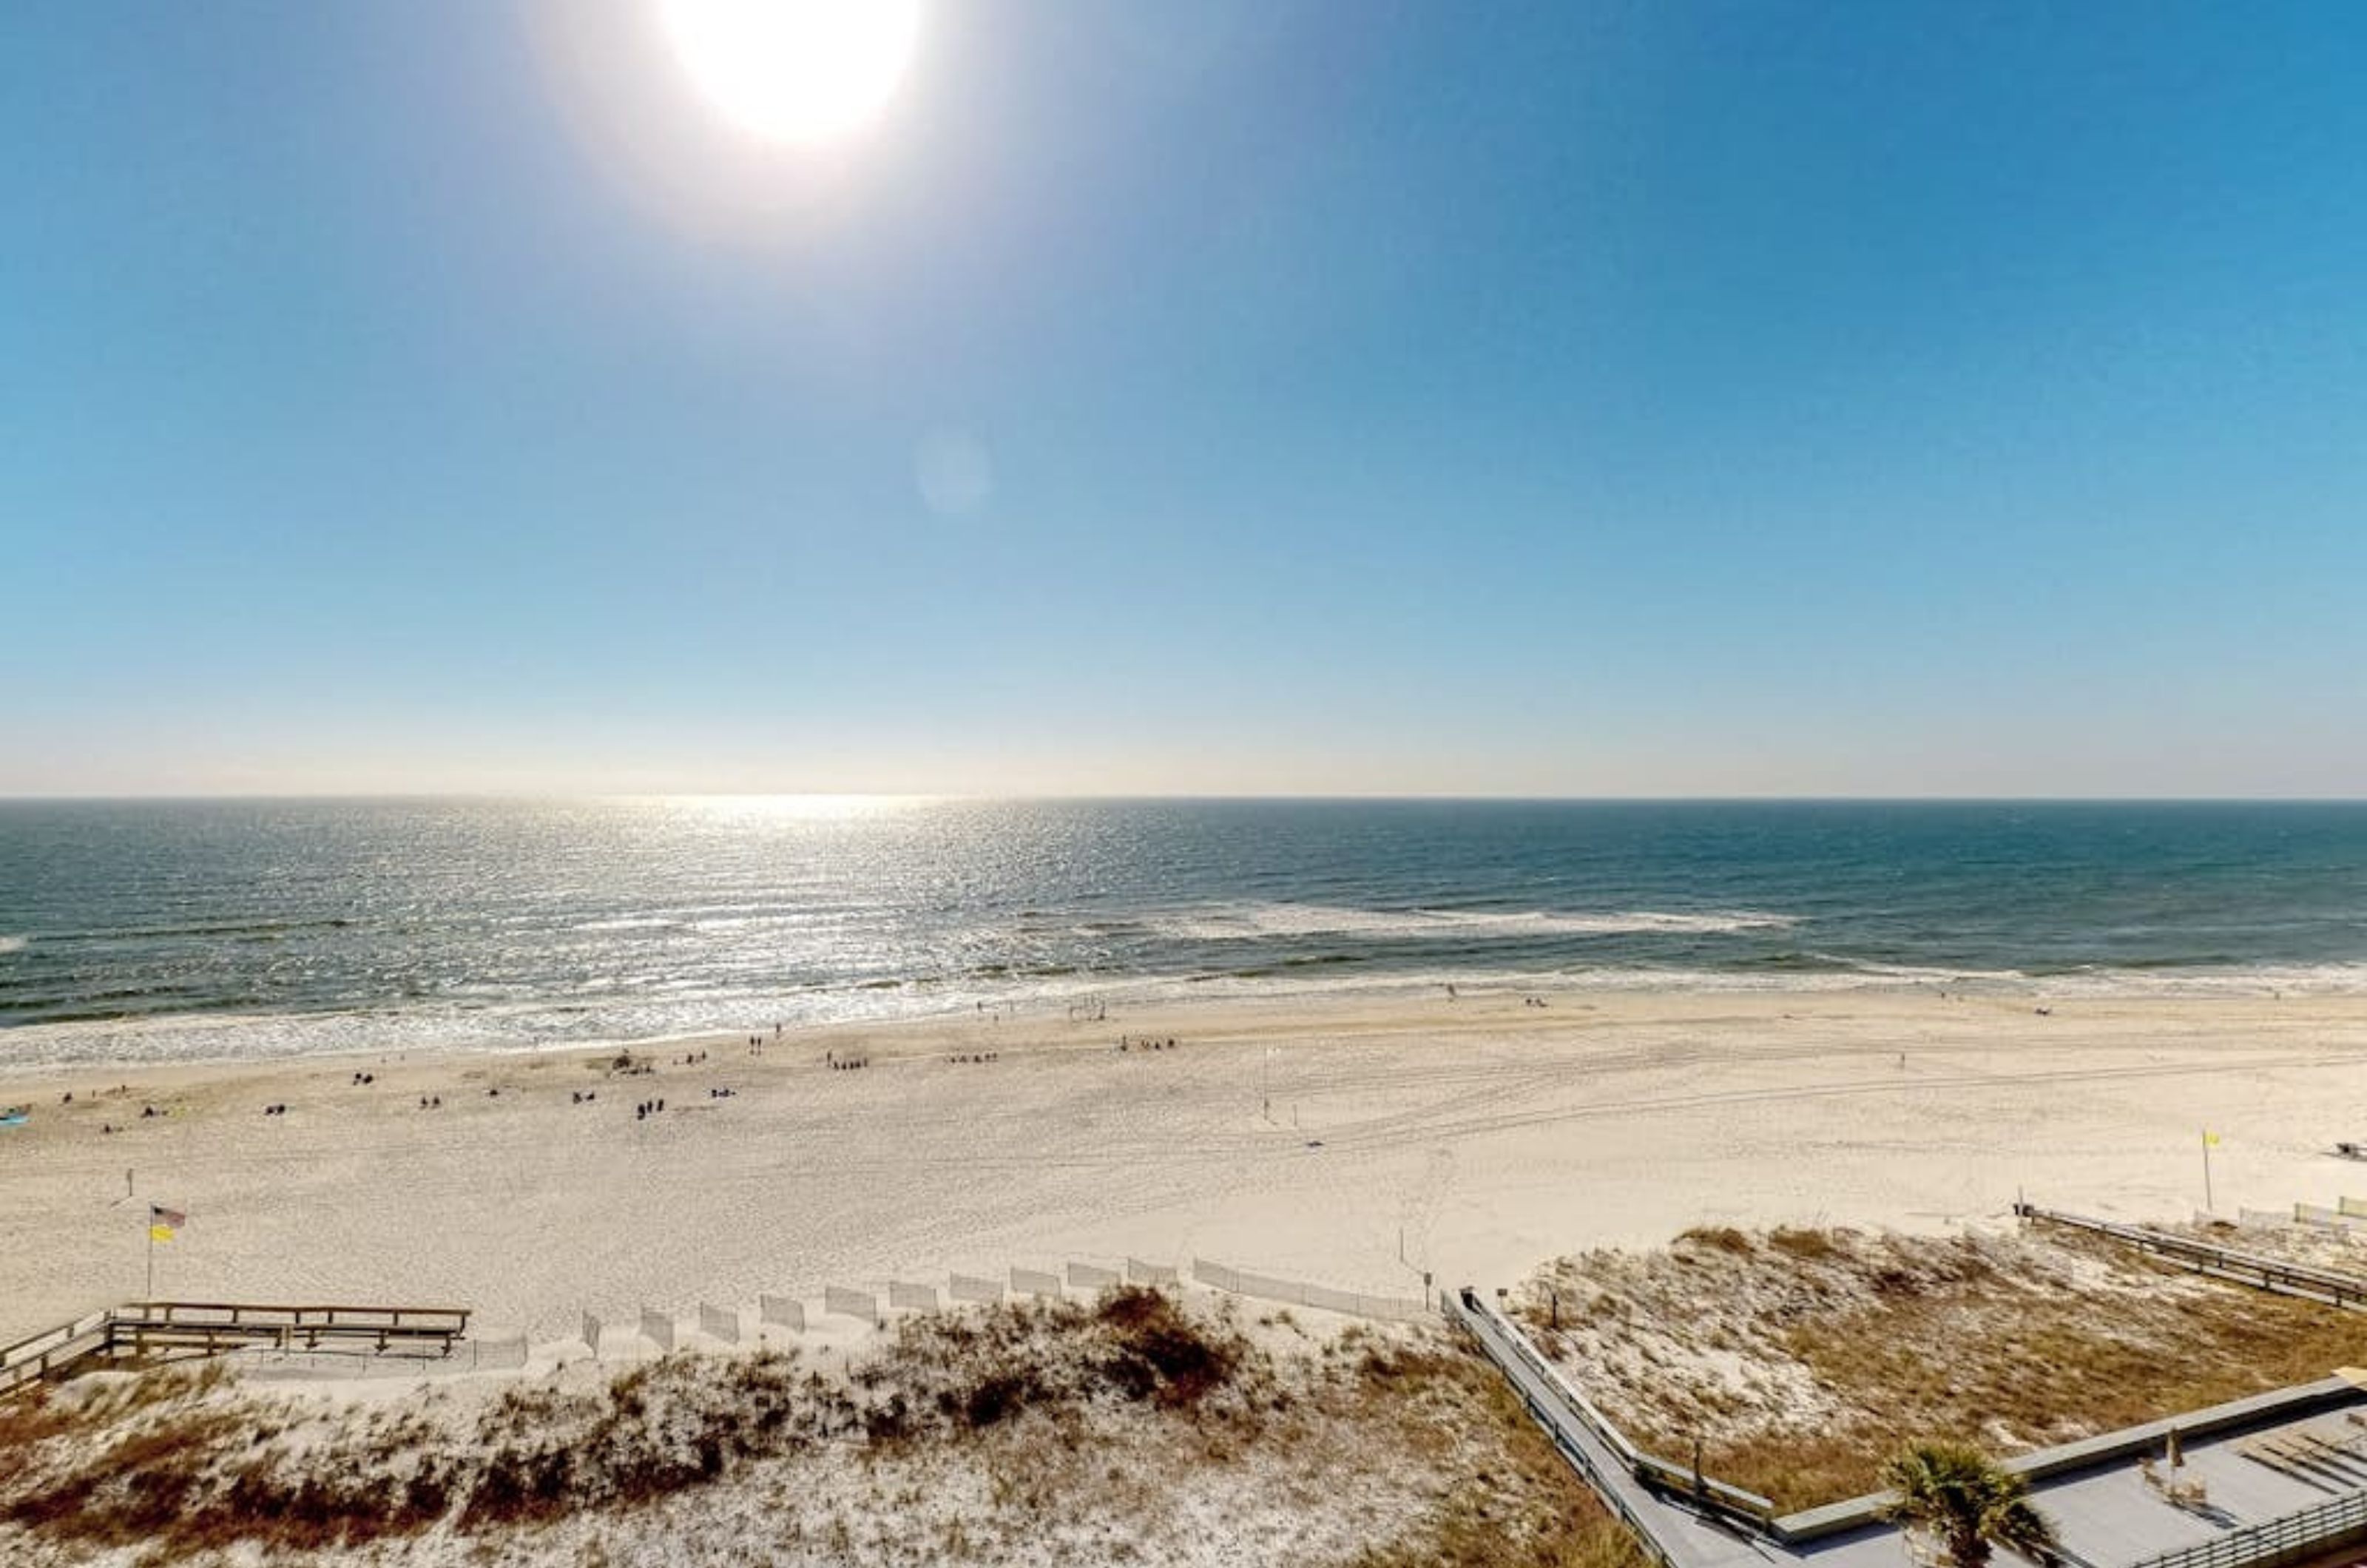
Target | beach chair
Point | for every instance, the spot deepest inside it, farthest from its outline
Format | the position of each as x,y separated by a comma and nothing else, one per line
2258,1453
2303,1460
2335,1448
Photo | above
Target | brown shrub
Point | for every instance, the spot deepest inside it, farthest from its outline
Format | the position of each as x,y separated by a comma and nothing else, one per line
1161,1353
1803,1242
999,1397
1720,1239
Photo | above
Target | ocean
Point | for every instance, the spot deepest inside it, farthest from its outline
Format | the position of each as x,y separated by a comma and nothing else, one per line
209,929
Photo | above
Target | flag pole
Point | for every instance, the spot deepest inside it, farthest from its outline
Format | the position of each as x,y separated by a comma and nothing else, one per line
2208,1206
151,1255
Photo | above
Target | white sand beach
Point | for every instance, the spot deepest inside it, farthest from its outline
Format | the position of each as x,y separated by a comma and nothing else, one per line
1350,1143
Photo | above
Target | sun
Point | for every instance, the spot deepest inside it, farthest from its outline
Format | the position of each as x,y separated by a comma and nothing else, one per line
797,72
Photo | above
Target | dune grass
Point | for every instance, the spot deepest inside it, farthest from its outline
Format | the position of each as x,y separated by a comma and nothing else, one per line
1042,1432
1803,1357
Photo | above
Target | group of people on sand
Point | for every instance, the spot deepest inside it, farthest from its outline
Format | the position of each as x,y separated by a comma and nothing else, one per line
976,1057
147,1113
1147,1043
838,1063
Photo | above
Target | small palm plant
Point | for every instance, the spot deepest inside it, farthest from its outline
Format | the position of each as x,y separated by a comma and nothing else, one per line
1956,1494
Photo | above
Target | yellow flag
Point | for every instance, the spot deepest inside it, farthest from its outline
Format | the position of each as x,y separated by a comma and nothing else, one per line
160,1233
2211,1140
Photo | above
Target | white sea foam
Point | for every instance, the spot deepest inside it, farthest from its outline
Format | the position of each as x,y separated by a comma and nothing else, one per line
2249,980
1256,920
13,944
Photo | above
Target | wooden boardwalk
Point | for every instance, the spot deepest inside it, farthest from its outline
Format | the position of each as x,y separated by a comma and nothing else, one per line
142,1331
2262,1273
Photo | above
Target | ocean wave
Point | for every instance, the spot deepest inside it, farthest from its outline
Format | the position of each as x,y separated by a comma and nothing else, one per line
1260,921
13,944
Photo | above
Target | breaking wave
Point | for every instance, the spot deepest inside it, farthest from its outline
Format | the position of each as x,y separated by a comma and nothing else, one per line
1258,921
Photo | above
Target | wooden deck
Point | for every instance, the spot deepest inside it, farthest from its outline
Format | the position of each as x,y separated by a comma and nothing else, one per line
143,1331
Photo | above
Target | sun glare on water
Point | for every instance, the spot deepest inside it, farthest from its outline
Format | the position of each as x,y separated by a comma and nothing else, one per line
797,72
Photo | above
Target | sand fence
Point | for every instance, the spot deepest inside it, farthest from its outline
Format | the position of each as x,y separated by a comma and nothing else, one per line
871,1302
2347,1214
970,1288
839,1301
721,1323
1267,1287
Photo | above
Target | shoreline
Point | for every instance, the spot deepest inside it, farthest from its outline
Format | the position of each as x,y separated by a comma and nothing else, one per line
1349,1140
115,1044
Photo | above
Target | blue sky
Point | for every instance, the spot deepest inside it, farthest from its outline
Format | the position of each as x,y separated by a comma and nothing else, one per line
1542,398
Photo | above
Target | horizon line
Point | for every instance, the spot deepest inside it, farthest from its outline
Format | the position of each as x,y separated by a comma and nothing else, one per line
1088,798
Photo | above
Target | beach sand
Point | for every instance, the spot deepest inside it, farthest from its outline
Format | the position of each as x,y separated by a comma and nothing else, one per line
1351,1142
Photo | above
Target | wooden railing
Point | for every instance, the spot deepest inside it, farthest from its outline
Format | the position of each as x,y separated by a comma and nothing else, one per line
2225,1262
142,1329
39,1356
1499,1342
1675,1481
2293,1539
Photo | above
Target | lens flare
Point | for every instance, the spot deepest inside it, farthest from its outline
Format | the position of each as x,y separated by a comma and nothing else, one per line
796,71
